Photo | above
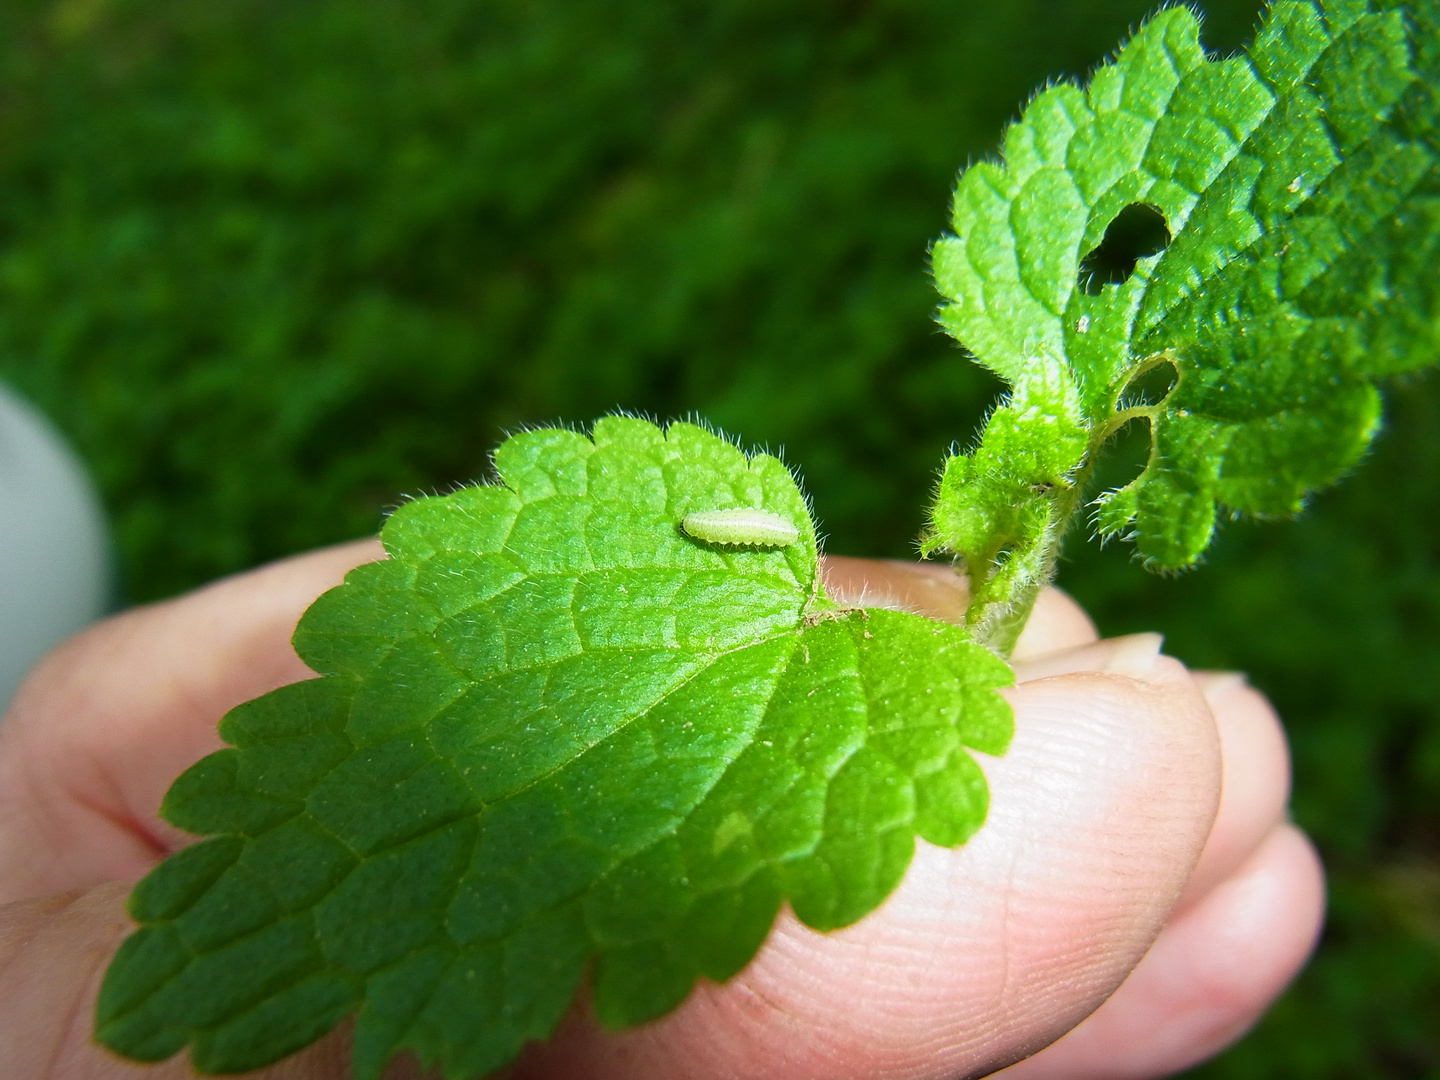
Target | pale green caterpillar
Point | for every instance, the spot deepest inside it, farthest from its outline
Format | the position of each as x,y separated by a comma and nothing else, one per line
742,527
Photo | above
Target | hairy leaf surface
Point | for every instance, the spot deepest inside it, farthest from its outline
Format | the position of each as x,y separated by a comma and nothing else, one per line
553,734
1267,225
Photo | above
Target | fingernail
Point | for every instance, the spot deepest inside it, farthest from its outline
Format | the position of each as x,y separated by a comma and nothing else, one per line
1215,684
1135,655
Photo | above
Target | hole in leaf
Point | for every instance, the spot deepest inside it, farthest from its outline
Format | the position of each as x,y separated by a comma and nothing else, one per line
1125,457
1137,232
1151,387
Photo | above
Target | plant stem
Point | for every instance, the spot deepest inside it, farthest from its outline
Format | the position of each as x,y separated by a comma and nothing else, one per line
998,621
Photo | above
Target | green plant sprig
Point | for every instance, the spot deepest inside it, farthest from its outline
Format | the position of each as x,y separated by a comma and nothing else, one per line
600,718
1265,224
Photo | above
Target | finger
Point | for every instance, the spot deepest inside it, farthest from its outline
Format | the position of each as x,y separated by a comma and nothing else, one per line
1164,748
1058,623
938,592
1256,759
985,953
53,954
1209,976
1256,786
1120,655
107,720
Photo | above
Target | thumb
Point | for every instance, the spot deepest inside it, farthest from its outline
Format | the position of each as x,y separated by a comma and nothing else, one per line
985,953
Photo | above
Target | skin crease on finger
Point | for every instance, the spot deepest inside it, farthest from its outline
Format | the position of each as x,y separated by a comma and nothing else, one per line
1100,809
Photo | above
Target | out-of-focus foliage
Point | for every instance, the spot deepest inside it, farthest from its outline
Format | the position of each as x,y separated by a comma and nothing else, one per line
272,264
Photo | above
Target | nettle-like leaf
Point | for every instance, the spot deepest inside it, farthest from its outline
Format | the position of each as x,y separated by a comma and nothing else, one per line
1266,227
553,735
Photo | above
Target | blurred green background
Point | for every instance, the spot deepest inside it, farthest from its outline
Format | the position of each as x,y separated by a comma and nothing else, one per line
272,264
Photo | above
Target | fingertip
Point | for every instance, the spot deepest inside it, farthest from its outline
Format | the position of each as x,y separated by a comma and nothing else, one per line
938,591
984,952
1139,741
54,949
1056,624
188,643
1135,655
1210,975
1255,788
929,589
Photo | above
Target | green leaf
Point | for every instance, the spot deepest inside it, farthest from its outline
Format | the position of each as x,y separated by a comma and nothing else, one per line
1265,226
553,735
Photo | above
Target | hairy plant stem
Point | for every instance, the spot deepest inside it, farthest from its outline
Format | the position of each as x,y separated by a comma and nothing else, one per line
998,621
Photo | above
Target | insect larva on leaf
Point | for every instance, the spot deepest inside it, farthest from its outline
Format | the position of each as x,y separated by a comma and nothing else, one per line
741,527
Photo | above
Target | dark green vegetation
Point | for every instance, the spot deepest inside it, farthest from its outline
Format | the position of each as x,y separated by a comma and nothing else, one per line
271,264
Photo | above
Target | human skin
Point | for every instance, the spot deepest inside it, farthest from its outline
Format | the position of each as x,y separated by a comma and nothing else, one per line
1138,819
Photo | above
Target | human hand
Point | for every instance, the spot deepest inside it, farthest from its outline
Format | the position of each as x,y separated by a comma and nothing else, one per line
985,954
